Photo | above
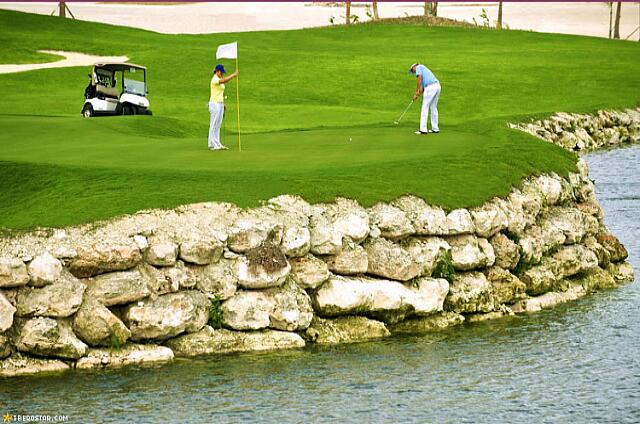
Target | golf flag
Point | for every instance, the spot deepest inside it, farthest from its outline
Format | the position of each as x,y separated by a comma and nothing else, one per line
227,51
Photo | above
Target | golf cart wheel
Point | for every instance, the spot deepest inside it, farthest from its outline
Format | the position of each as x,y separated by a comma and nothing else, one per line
87,111
128,110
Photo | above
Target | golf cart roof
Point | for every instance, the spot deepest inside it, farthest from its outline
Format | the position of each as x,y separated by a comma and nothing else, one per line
118,66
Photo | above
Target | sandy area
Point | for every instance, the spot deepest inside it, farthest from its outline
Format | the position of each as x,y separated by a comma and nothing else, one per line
70,59
195,18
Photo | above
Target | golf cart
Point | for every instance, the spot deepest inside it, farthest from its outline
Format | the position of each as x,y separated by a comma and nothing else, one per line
103,97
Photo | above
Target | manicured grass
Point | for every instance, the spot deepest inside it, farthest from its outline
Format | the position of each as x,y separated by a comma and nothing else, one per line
304,94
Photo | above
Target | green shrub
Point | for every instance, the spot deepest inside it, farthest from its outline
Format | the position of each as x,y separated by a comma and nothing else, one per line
444,267
215,313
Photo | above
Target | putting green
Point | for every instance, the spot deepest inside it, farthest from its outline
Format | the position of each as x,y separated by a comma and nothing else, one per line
304,95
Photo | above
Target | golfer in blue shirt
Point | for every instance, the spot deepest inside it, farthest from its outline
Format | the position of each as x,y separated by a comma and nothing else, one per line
429,86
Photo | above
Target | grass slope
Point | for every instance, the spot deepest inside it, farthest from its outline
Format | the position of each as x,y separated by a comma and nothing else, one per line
304,94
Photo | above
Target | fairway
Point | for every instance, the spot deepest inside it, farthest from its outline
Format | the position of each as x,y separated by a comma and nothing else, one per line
305,94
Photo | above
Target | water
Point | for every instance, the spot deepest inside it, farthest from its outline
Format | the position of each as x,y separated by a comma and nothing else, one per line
576,363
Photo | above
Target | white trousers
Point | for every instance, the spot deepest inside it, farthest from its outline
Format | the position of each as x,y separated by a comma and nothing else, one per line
217,113
430,103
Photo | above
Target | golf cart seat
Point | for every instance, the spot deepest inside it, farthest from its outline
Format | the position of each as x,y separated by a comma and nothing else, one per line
111,92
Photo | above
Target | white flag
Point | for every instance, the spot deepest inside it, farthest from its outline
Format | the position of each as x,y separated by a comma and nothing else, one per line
227,51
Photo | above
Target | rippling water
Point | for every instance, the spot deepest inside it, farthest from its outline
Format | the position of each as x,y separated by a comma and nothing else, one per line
577,363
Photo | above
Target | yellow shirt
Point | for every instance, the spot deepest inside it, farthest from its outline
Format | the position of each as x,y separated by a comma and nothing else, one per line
217,90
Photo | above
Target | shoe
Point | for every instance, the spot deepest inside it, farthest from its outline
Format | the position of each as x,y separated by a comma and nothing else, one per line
214,148
420,132
434,132
223,147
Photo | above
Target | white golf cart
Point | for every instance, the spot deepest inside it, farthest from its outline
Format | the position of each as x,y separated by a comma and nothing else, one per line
103,97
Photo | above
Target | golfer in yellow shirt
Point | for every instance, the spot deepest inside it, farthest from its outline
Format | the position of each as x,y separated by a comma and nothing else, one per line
216,106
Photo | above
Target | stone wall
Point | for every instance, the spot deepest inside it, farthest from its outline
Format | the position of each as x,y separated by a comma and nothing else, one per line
212,278
580,132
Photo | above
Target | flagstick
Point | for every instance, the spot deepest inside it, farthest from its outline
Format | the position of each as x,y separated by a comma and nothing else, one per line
238,102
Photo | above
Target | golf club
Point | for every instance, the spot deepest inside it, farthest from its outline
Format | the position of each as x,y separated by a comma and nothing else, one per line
397,121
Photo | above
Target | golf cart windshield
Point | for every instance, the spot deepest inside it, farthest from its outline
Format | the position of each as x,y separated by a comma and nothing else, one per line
134,81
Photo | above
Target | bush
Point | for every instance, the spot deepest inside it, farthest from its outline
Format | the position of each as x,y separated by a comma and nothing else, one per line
215,313
444,268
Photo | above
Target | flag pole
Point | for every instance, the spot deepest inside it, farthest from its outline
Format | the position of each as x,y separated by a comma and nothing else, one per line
238,102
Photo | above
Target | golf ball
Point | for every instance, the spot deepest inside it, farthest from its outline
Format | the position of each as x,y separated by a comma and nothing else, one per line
350,139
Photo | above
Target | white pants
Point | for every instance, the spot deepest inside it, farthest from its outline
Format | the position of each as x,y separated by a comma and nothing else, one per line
217,113
430,103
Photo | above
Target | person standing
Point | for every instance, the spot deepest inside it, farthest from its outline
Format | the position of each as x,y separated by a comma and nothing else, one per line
216,105
429,86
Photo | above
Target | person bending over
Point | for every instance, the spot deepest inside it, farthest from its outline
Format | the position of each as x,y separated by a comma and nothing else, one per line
429,86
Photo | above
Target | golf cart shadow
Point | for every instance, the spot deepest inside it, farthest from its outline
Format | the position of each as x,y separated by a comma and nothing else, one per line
116,89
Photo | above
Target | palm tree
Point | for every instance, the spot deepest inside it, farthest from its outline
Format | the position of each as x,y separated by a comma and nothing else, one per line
348,12
610,3
499,22
616,26
427,6
434,9
375,11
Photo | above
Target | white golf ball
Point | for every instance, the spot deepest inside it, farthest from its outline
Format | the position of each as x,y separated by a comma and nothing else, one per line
350,139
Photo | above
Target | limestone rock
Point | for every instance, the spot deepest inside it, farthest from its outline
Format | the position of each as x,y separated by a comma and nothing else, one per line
131,354
621,271
427,324
161,252
17,365
101,258
217,279
309,272
489,316
506,288
392,221
5,348
201,251
596,279
251,230
44,269
296,241
572,223
603,255
469,252
506,251
550,187
469,292
159,281
98,326
167,315
390,260
282,308
459,221
425,252
348,329
292,203
324,239
349,219
6,313
60,299
388,300
48,337
291,310
538,240
350,261
263,267
568,261
247,310
489,219
427,220
13,273
210,342
549,299
117,288
617,251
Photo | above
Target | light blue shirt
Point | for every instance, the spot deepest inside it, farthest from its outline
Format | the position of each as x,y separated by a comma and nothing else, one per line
427,76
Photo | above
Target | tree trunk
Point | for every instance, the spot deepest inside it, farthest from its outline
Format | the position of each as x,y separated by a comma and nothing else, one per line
375,11
427,7
62,9
610,3
499,23
616,26
434,10
348,13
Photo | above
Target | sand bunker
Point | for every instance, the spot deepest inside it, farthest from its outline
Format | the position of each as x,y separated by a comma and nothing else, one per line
70,59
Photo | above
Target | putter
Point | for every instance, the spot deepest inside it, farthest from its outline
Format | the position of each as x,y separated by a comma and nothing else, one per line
397,121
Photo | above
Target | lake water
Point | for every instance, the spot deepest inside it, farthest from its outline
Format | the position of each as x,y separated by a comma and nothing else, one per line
577,363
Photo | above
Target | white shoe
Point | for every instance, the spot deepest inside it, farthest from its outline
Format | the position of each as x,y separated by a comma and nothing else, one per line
420,132
222,147
435,132
214,148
